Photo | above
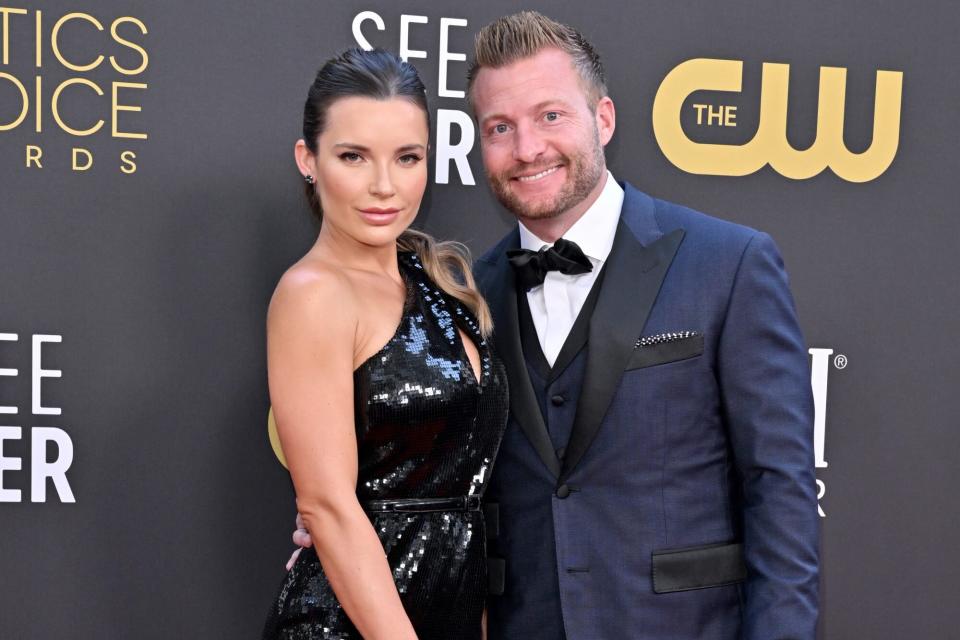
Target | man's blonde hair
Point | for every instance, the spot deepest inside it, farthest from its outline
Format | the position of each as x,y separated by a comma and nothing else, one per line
522,35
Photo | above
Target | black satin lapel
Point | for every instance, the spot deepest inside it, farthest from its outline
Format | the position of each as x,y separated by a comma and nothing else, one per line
632,281
529,341
523,400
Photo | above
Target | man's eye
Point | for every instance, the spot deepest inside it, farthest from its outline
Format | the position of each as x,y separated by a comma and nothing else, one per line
500,128
552,116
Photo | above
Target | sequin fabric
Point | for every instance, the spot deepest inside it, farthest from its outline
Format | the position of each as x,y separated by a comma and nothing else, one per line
426,428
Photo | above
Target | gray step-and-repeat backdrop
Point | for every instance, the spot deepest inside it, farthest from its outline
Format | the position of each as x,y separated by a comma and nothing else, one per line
149,202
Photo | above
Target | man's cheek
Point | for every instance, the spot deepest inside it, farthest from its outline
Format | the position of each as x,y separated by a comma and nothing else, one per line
490,164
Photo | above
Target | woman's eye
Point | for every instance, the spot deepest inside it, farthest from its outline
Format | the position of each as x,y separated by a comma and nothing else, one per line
410,159
350,157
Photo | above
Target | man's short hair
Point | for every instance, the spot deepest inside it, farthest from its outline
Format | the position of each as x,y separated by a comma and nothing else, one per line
524,34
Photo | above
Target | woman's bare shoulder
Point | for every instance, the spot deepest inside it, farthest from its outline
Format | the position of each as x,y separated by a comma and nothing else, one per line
313,290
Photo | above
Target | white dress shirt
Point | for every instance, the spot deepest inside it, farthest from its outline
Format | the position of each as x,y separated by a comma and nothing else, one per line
556,303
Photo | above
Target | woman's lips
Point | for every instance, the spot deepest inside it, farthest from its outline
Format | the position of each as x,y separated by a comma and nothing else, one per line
379,216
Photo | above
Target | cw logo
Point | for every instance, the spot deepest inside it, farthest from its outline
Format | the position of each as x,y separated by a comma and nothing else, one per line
769,144
275,438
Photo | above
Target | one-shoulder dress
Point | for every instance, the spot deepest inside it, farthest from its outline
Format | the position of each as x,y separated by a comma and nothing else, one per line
427,434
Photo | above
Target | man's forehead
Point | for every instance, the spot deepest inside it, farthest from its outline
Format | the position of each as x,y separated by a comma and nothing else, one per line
526,84
546,63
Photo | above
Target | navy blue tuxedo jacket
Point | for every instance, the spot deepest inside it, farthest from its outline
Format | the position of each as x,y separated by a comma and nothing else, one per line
659,482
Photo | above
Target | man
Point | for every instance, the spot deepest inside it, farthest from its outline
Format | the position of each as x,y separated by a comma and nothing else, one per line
656,478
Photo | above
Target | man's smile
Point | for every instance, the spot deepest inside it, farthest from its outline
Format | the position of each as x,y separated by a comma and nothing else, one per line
537,176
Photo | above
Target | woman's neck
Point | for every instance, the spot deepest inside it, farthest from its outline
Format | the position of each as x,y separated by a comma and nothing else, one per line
349,253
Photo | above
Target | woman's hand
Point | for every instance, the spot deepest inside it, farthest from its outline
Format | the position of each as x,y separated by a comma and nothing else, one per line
301,538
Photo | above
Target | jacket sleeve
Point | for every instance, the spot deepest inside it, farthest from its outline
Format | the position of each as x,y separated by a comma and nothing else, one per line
764,377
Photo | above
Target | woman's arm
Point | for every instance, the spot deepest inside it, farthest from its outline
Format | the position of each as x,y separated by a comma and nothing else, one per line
311,332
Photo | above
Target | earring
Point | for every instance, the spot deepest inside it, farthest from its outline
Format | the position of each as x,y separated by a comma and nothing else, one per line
309,179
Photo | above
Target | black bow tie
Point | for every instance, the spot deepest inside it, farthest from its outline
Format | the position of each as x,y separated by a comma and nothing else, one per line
531,267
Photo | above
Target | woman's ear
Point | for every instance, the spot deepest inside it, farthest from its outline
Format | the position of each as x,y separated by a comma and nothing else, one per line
306,161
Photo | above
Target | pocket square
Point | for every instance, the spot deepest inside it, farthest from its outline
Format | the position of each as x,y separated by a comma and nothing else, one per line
662,348
663,338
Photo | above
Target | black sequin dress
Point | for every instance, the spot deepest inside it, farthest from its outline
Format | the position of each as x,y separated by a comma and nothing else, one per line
427,435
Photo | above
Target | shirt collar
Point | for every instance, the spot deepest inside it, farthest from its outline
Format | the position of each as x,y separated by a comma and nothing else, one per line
595,229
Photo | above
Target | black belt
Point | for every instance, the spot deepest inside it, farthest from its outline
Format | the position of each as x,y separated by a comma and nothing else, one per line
422,505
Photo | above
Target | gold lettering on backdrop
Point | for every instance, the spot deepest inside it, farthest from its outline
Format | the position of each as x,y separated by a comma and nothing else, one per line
116,107
38,85
38,37
26,102
5,12
77,152
144,58
122,45
55,44
128,166
769,144
55,107
34,153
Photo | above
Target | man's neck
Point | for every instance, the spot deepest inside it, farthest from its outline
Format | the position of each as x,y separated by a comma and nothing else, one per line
552,229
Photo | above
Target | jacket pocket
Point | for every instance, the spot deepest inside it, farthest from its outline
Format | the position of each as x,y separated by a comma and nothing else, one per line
700,567
664,352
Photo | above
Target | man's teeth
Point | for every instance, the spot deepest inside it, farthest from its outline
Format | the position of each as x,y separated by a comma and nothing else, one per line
537,176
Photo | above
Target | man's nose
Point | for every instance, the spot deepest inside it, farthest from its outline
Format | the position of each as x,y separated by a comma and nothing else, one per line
528,145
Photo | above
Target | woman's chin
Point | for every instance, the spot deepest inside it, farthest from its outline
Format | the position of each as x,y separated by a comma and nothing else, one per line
383,235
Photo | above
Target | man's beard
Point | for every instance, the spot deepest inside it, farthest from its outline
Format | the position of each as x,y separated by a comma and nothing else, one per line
584,171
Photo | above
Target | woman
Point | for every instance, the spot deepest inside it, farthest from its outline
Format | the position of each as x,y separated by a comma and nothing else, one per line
389,427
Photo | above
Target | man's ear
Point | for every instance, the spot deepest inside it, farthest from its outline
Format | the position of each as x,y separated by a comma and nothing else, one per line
606,116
